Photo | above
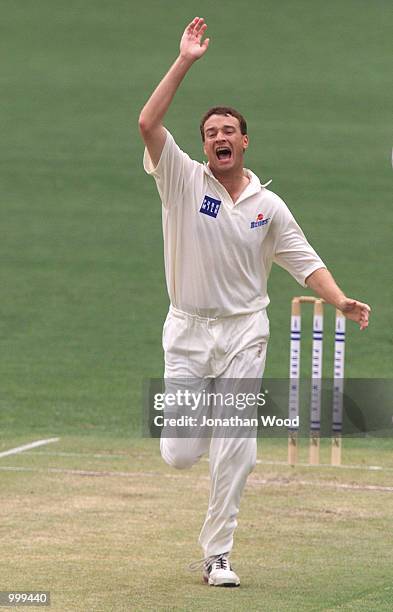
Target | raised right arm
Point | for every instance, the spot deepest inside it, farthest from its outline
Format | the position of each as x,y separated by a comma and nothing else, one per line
150,119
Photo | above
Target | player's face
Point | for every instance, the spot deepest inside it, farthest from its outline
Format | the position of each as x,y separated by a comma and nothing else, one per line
224,143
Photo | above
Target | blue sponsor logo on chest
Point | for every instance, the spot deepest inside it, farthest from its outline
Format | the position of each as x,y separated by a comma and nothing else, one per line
210,206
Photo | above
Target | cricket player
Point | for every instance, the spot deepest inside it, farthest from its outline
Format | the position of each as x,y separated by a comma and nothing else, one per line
222,229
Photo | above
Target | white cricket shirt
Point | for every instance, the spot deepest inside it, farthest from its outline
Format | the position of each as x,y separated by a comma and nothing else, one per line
218,254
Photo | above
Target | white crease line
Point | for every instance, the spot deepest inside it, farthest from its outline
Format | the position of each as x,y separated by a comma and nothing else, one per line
69,454
25,447
371,468
252,481
330,485
83,472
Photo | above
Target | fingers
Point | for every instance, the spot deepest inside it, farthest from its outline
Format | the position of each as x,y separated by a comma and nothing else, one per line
363,324
192,23
364,315
197,26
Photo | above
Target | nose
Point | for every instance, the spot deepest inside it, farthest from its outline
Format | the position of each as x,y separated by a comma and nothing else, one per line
220,138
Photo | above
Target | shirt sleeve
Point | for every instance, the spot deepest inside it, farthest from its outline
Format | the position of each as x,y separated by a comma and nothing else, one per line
172,172
292,250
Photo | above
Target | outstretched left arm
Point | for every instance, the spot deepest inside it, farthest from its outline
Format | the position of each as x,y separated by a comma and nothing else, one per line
323,283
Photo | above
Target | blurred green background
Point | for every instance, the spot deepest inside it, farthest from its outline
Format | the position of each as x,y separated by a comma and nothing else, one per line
83,294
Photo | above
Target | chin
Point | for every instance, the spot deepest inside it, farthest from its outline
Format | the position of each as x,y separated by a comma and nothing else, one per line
223,167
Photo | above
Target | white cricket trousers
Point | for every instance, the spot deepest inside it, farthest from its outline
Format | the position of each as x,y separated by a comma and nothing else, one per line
224,350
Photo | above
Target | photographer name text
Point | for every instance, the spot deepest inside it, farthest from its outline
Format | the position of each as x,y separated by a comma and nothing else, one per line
233,421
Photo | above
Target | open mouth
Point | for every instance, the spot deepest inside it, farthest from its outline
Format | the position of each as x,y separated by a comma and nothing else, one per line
223,153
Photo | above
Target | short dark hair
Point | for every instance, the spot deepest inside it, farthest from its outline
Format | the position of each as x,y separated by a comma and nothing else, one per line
223,110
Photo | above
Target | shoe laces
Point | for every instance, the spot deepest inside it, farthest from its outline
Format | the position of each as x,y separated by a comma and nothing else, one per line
221,562
207,562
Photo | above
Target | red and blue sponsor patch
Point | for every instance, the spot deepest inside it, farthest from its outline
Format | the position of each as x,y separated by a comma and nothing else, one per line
260,221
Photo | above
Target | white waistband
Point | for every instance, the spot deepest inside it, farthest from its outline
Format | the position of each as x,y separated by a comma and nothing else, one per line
197,317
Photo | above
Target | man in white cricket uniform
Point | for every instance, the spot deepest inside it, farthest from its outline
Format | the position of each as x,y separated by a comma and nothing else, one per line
222,230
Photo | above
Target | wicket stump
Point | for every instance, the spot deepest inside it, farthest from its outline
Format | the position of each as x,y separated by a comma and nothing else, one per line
316,381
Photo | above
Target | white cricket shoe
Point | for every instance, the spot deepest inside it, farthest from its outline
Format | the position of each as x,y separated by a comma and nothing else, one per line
218,572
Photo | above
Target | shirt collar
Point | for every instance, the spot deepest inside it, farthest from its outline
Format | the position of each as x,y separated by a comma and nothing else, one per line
254,186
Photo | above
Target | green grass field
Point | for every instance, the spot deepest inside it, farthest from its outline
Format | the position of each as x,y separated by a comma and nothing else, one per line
105,525
83,296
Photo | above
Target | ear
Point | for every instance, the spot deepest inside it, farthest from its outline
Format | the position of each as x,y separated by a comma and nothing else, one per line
245,142
204,149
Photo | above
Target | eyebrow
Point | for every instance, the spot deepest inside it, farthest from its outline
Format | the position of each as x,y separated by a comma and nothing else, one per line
209,129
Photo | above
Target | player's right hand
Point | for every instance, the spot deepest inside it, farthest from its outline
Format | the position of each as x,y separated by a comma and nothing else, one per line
191,45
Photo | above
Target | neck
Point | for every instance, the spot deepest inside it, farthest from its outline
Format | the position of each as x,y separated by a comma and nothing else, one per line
234,182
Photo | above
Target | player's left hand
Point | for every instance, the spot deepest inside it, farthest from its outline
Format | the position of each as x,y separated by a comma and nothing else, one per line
356,311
